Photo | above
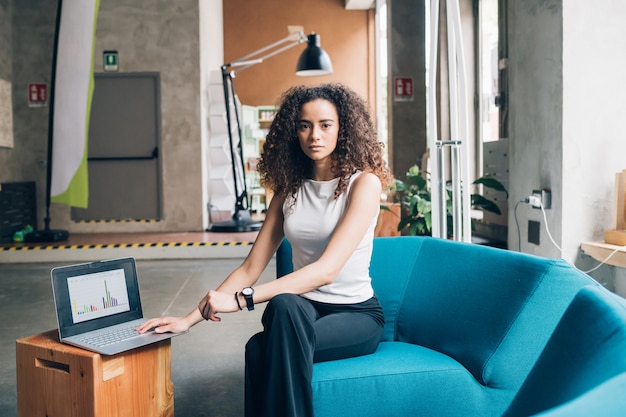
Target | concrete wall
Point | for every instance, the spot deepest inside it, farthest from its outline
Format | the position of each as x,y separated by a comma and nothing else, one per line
6,101
149,36
164,37
407,58
536,114
32,25
567,89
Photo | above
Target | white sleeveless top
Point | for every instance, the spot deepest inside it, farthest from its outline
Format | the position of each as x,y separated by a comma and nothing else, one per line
308,226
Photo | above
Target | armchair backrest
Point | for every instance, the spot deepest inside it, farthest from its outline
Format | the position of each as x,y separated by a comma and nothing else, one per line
587,348
490,309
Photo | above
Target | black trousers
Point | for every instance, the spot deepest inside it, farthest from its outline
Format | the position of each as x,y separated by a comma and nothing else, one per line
298,332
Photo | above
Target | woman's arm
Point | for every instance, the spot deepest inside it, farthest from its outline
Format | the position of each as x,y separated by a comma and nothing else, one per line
269,238
363,204
222,300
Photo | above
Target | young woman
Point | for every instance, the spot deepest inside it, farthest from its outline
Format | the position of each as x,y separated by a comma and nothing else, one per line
325,166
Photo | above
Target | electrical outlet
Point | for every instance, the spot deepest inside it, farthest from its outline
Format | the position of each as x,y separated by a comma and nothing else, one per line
544,196
533,232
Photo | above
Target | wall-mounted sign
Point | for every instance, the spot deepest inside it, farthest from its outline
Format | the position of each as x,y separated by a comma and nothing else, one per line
403,89
110,60
37,95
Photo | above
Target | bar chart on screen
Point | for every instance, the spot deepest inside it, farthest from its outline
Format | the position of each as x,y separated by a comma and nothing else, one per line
98,295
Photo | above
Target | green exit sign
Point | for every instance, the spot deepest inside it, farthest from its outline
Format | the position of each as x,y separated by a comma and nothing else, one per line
111,60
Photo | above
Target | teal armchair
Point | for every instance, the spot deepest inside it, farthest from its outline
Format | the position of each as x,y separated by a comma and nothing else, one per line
465,325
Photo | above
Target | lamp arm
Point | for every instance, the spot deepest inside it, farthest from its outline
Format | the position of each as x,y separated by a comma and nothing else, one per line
249,60
293,37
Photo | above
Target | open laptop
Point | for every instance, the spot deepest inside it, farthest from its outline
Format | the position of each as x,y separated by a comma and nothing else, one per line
98,306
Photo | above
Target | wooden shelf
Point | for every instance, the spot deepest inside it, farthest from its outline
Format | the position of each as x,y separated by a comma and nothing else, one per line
600,251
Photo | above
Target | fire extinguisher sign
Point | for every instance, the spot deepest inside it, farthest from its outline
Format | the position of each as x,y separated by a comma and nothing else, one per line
403,89
37,95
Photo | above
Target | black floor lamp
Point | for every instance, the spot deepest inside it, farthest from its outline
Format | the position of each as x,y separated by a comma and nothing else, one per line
313,61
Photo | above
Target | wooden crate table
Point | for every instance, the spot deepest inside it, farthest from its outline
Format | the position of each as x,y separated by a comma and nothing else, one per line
58,380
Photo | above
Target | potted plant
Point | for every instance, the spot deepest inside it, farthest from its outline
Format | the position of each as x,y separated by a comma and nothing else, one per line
414,197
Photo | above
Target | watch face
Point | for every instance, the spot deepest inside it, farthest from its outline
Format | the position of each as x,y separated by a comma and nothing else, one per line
247,291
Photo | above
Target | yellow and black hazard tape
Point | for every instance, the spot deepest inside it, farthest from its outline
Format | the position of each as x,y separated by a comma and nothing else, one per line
122,246
118,221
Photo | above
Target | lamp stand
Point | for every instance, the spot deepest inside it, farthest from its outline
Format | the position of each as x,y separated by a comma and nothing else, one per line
314,61
241,220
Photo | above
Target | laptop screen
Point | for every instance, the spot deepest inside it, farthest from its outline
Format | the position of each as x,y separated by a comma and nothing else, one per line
98,295
95,295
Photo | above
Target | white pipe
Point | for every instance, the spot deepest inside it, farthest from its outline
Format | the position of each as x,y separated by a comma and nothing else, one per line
440,201
452,76
454,17
454,125
457,209
433,137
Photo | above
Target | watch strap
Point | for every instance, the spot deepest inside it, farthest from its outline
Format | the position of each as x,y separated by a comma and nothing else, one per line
249,300
237,299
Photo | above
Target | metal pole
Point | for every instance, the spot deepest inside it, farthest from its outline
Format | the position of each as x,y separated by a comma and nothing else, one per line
454,23
433,135
457,207
441,206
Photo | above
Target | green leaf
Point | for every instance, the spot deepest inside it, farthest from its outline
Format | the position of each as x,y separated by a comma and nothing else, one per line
485,204
428,220
491,182
424,206
414,170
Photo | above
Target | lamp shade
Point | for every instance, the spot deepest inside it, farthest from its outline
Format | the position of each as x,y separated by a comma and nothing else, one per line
314,60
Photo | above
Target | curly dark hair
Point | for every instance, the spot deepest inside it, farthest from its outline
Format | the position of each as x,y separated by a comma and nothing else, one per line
284,167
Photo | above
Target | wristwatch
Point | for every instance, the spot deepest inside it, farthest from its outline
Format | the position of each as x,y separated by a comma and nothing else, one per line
248,292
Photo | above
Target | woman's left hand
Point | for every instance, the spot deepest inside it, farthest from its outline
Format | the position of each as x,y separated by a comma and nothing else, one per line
217,302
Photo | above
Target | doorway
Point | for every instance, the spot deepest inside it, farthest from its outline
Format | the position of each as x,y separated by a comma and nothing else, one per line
123,153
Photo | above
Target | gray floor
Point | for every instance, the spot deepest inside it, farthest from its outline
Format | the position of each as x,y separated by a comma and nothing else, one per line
207,363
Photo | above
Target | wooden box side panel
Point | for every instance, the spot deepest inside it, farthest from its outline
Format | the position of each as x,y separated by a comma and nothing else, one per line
54,382
137,383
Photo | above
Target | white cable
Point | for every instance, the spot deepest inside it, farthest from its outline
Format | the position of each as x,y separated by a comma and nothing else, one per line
534,201
545,219
605,260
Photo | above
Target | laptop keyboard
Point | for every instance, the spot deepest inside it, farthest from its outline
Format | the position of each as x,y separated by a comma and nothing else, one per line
111,337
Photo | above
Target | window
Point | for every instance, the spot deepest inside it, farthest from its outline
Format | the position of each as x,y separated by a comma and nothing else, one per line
382,73
489,88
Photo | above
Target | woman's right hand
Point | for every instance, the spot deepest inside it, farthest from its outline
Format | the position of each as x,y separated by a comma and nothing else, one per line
166,324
